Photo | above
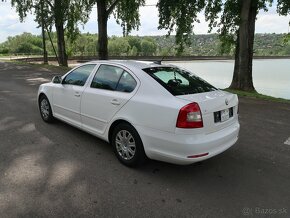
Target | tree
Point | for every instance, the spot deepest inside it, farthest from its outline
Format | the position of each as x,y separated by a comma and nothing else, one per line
126,13
148,47
283,8
64,15
237,26
179,16
135,44
118,46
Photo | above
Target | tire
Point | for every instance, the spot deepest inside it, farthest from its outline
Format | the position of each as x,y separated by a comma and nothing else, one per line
127,145
45,109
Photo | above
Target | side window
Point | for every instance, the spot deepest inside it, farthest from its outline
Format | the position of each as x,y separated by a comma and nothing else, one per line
79,76
107,77
127,83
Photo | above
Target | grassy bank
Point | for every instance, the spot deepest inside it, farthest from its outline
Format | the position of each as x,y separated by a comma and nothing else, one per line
257,95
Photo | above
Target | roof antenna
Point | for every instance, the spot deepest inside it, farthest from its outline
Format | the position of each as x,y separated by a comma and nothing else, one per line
159,62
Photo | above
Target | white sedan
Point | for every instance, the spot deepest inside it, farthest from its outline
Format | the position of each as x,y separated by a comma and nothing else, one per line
144,109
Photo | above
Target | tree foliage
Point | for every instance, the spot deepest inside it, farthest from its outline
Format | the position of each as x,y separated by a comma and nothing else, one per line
85,45
225,18
126,13
65,15
179,16
283,7
70,12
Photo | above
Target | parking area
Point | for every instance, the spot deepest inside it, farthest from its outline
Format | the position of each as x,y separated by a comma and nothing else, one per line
57,170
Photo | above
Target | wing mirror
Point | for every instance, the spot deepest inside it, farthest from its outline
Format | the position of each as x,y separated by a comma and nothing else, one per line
57,79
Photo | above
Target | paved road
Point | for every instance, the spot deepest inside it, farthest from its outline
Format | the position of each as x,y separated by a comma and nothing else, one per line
54,170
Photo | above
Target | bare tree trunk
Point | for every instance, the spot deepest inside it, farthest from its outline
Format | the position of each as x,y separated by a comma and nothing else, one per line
252,26
45,59
62,56
102,27
236,76
242,78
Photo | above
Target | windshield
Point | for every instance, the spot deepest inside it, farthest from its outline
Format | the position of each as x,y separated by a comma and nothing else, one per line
179,82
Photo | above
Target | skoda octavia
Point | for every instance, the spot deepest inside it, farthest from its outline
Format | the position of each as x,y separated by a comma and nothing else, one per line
144,109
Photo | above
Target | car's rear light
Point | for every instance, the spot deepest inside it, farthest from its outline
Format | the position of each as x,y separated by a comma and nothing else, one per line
190,117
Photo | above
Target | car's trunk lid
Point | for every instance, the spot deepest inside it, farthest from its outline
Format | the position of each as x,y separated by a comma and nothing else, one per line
214,107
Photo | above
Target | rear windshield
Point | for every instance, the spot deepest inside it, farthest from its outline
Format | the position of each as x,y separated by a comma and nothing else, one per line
179,82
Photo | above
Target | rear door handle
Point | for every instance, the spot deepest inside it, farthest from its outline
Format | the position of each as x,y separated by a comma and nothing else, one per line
115,102
77,94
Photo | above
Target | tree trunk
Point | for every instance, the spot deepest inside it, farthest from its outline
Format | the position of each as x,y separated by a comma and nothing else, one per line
45,59
58,14
242,78
102,27
252,26
236,76
62,56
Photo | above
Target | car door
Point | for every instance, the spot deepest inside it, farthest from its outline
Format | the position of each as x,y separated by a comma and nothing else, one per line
110,89
67,95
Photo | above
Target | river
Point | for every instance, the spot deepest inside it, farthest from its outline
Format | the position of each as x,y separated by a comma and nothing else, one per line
270,76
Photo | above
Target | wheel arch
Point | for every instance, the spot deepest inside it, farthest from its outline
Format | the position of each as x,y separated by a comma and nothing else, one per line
40,95
114,124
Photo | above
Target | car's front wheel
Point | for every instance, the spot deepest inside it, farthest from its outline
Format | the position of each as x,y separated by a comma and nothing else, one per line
127,145
45,109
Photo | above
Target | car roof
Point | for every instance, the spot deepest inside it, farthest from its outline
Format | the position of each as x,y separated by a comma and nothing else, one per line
132,63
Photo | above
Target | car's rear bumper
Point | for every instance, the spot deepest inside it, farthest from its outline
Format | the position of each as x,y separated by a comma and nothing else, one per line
176,148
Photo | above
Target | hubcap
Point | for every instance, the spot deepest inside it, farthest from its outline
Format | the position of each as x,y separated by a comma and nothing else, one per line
44,108
125,144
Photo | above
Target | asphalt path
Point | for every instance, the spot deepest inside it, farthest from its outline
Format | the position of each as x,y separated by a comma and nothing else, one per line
55,170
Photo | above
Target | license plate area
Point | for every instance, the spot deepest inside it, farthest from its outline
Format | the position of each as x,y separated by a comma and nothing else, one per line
223,115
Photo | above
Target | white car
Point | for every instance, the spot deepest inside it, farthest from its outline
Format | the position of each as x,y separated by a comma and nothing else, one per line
144,109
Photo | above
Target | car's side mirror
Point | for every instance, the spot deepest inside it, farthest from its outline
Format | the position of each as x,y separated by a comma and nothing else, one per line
57,79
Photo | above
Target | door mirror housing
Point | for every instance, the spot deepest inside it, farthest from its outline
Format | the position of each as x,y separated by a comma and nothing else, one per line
57,80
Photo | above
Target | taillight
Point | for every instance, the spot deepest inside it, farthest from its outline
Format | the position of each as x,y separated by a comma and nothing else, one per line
189,117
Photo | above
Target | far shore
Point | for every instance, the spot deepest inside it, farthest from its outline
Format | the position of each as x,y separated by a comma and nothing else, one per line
81,59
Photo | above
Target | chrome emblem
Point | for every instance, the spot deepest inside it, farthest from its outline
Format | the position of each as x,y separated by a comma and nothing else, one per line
227,102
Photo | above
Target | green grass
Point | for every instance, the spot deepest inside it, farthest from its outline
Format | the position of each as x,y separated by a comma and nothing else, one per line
257,95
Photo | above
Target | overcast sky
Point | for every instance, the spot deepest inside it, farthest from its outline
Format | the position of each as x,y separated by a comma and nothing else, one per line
10,25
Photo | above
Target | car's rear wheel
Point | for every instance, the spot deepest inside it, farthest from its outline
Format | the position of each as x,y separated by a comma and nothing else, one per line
45,109
127,145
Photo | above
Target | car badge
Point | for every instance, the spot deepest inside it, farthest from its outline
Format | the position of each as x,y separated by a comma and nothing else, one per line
227,102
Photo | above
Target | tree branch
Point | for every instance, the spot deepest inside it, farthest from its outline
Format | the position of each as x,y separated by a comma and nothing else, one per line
112,6
49,3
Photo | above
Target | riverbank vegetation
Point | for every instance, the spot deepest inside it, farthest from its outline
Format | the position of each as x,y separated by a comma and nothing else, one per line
86,45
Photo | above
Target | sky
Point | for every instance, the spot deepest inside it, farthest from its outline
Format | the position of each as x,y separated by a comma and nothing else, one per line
10,25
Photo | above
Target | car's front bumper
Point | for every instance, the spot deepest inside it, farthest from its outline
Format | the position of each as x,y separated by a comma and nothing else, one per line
176,148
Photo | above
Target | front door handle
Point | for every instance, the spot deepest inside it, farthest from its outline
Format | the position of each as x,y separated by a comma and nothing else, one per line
77,94
115,102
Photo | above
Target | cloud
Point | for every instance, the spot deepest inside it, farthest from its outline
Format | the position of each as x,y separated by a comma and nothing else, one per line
272,23
10,24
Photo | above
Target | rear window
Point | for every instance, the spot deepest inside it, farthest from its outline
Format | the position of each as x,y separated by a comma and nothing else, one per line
179,82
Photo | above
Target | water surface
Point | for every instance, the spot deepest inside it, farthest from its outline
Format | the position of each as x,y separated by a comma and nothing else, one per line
270,76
